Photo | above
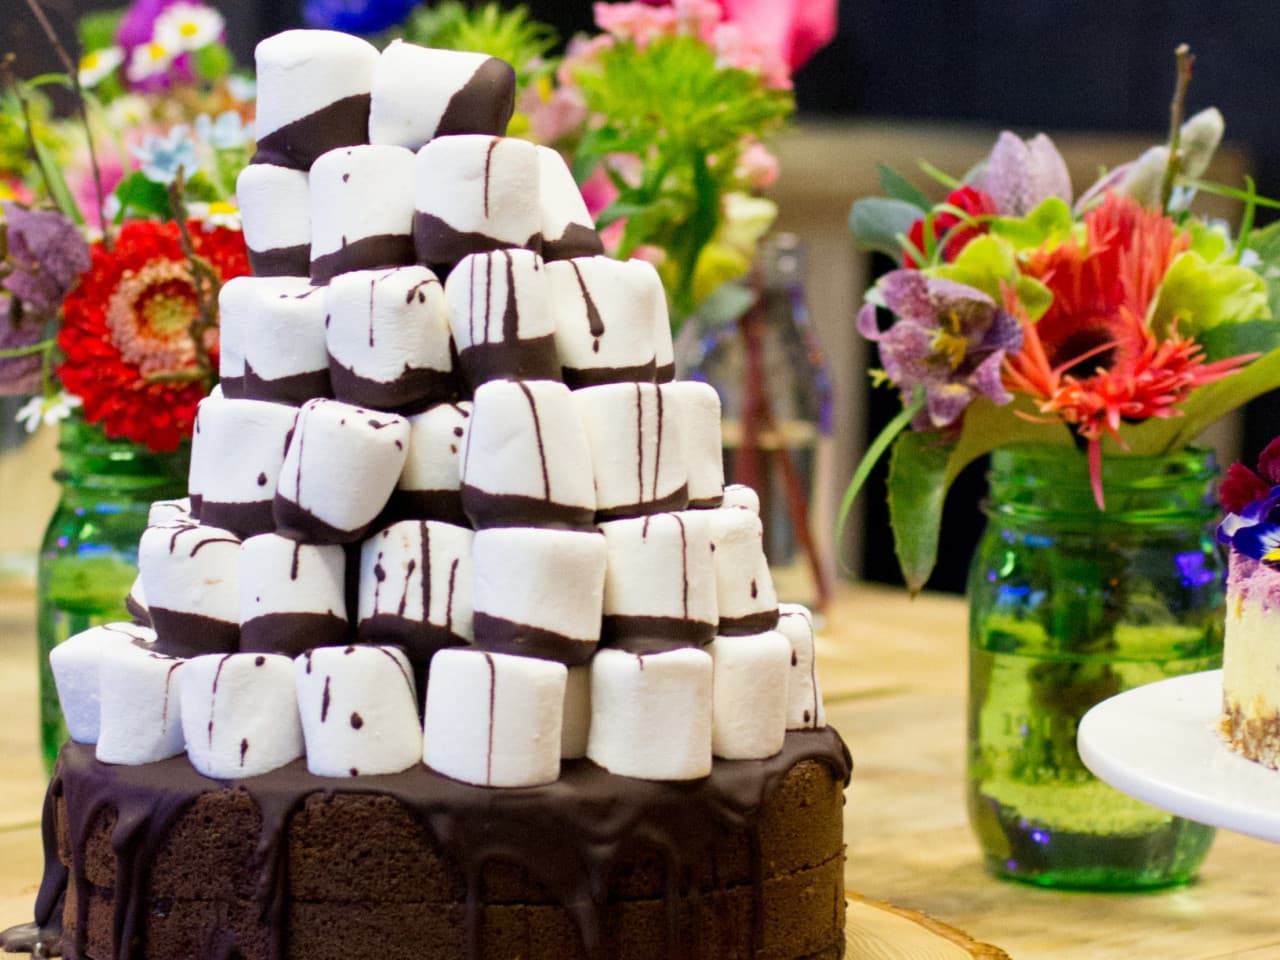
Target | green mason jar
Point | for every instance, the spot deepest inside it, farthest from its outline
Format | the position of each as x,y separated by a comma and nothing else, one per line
1068,606
89,555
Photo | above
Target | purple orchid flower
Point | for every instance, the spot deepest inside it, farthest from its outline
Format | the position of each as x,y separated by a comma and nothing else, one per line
947,337
1022,174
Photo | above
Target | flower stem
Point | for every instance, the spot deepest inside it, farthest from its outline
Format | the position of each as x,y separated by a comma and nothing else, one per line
1177,109
73,75
204,279
30,350
11,81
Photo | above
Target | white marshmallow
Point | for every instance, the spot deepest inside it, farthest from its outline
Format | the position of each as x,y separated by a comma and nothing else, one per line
136,603
742,497
538,592
527,460
430,486
141,698
567,227
576,726
361,210
421,93
604,327
664,349
274,327
275,215
359,710
240,714
749,718
415,587
700,440
162,511
634,433
660,582
805,710
494,720
388,339
75,664
475,193
313,95
292,595
500,312
744,586
191,575
239,452
651,714
342,464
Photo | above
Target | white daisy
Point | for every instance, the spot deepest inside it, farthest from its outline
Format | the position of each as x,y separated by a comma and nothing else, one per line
188,26
97,65
46,409
216,214
149,60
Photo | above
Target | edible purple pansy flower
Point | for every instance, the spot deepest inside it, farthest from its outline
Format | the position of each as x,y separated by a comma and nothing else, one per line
947,337
1252,501
1022,174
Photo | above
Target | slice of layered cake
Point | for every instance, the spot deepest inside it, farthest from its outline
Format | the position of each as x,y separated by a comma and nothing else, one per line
458,649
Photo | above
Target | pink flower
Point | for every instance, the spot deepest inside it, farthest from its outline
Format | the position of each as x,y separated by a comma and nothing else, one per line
637,22
735,47
552,117
598,191
582,50
698,18
757,166
793,30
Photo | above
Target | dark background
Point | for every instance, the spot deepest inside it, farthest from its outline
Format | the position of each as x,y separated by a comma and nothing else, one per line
1027,65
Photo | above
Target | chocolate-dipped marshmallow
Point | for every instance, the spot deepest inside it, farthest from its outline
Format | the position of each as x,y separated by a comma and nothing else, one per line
341,466
388,339
805,710
275,215
191,574
75,664
527,460
700,440
633,430
430,486
538,592
494,720
744,586
502,317
420,93
240,714
273,345
604,319
415,588
359,710
361,210
141,705
474,194
313,95
292,595
749,689
567,228
660,582
239,451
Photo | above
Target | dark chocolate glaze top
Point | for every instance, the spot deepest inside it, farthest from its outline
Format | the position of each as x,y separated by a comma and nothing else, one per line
565,834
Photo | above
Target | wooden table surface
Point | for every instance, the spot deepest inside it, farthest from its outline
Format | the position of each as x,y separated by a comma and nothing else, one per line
894,675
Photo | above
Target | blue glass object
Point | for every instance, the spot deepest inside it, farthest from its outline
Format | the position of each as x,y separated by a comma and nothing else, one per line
1068,606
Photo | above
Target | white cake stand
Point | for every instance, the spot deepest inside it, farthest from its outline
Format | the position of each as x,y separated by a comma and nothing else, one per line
1159,743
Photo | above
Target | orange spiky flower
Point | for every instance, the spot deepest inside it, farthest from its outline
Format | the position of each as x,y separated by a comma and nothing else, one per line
1091,361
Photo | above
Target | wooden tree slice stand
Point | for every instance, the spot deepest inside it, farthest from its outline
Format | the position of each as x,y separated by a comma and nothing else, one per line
881,931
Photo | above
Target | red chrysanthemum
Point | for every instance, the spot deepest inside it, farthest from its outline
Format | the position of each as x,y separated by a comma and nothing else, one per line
126,330
1091,360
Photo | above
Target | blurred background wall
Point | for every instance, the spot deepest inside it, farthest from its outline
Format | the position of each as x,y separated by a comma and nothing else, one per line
907,80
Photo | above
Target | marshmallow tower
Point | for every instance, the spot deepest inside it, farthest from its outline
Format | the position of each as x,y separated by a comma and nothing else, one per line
448,457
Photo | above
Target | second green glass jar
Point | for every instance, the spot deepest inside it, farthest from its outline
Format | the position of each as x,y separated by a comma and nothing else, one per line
1070,605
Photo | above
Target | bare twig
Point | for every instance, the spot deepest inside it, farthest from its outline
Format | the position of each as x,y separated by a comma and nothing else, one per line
1177,109
205,280
73,74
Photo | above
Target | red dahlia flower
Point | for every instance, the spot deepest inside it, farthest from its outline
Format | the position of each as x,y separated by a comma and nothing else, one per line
126,330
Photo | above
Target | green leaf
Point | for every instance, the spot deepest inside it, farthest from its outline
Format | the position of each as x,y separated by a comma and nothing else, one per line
200,188
948,181
213,61
1050,221
1266,242
1235,339
57,183
1201,295
725,304
140,197
987,263
878,222
97,29
923,469
898,187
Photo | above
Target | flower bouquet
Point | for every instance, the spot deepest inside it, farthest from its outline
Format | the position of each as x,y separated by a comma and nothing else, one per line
1119,321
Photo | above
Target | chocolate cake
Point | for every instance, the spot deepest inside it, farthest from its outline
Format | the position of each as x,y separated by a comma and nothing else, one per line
475,657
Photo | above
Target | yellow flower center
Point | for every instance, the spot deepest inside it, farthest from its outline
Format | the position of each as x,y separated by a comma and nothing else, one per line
90,61
156,51
150,314
188,29
950,340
